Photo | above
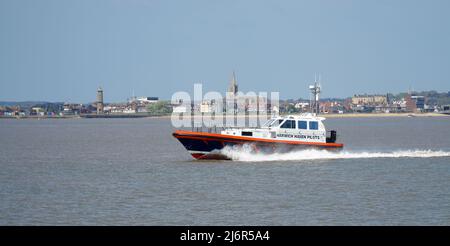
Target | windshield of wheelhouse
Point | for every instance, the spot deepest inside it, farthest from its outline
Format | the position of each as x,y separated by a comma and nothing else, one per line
268,123
276,123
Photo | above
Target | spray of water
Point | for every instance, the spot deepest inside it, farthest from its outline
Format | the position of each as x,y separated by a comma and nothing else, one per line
246,153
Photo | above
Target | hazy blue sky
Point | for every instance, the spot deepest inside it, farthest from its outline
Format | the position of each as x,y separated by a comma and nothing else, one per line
62,50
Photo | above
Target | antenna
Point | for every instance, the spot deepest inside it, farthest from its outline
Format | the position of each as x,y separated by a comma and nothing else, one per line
315,91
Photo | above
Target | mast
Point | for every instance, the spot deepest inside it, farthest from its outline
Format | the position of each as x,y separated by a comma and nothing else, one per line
314,102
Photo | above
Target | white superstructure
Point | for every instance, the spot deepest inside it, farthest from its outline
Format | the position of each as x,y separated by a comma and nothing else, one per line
303,128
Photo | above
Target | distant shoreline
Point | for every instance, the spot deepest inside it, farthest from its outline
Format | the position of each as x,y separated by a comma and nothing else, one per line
355,115
368,115
349,115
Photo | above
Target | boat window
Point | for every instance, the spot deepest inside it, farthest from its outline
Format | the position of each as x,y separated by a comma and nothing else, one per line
288,124
268,122
276,123
313,125
302,124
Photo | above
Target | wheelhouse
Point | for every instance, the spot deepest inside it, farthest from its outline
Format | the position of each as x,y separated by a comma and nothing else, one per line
304,122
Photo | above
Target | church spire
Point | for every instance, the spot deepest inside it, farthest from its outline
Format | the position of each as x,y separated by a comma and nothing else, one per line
233,85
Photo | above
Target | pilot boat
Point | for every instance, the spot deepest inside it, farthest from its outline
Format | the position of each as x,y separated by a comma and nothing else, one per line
278,134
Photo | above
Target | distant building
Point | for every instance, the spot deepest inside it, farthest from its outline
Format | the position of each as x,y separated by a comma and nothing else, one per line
120,108
233,88
398,106
143,100
237,102
140,104
303,106
419,101
410,104
415,103
331,107
99,101
446,108
363,100
180,109
11,111
206,107
71,109
37,111
2,111
231,97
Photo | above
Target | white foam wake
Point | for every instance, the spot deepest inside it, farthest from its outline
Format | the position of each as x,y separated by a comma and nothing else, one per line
246,153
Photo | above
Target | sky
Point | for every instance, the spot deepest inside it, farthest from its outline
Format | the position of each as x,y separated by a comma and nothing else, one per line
62,50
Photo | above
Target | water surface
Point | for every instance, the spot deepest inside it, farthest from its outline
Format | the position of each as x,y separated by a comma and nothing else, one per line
133,172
